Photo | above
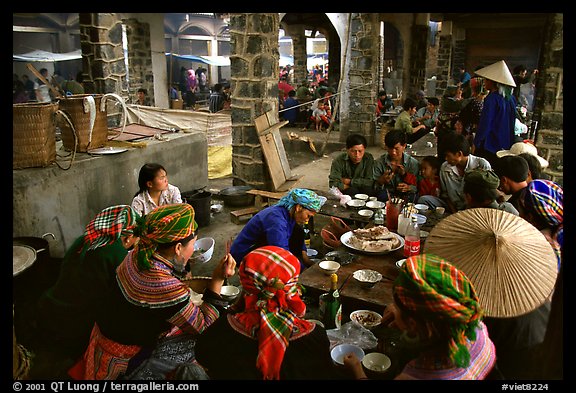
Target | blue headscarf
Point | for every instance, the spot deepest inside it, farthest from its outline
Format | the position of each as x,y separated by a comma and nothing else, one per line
303,197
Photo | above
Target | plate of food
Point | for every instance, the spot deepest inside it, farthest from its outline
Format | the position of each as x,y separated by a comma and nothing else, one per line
375,240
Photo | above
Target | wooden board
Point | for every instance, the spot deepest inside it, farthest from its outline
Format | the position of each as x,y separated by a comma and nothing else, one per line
273,149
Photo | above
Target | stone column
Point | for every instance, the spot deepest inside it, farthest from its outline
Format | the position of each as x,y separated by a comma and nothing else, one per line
362,76
140,71
444,58
254,60
102,54
549,101
418,53
300,54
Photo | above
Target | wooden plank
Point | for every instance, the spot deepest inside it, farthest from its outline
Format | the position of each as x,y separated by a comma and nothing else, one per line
273,160
236,215
267,194
282,154
290,183
261,123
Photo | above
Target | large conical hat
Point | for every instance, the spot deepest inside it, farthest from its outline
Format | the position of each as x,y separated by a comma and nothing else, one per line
498,72
510,263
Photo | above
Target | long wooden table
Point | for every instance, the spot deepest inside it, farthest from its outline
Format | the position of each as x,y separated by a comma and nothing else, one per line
353,296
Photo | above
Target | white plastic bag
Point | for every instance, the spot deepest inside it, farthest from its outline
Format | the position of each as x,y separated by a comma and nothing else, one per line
352,333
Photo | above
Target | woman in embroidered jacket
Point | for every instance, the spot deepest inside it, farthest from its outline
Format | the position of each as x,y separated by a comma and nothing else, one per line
151,307
436,305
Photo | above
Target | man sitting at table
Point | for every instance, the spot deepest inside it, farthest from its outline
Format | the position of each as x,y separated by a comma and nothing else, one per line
396,172
481,190
352,172
428,114
404,122
458,162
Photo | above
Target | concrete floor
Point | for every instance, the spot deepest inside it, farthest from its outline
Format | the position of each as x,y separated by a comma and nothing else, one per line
50,363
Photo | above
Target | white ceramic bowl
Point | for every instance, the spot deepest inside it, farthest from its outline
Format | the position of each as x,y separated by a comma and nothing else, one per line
376,362
339,351
366,318
362,197
356,203
329,267
203,250
400,263
422,208
375,205
229,292
365,213
317,322
367,278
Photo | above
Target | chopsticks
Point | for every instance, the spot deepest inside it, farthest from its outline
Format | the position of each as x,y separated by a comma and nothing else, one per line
344,283
228,246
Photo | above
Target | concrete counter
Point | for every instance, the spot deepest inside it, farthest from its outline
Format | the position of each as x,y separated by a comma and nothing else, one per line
62,202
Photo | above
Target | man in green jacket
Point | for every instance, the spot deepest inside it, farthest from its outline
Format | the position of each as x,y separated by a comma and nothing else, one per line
352,171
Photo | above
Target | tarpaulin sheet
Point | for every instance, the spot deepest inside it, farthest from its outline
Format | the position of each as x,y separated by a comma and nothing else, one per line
216,126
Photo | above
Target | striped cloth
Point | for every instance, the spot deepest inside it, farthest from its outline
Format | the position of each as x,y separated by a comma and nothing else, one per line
429,285
546,198
272,305
109,225
482,360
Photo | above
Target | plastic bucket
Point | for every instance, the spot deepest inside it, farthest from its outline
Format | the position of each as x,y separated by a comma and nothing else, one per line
201,202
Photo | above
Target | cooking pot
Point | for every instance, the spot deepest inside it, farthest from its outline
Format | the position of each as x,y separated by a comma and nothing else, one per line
25,245
236,196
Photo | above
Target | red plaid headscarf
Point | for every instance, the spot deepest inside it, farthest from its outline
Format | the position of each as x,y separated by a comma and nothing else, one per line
109,225
272,304
165,224
431,286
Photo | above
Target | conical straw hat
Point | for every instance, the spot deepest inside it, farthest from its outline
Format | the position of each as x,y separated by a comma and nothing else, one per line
510,263
498,72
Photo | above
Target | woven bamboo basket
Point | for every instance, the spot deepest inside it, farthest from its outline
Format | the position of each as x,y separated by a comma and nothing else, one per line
88,138
33,135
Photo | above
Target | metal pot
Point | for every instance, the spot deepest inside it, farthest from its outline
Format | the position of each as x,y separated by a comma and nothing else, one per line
30,247
236,196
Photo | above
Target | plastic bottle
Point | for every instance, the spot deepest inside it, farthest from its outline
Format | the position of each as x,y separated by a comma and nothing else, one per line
330,305
412,238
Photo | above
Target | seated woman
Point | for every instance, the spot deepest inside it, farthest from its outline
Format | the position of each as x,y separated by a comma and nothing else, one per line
154,313
280,225
436,304
352,172
265,336
154,189
67,311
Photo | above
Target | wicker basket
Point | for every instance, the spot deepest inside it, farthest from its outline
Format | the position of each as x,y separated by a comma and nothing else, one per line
33,135
88,137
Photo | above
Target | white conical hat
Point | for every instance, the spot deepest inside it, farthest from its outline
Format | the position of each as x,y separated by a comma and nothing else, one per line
510,263
498,72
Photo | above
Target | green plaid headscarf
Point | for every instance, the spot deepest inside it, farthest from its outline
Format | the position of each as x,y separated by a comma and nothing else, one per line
430,286
109,225
165,224
300,196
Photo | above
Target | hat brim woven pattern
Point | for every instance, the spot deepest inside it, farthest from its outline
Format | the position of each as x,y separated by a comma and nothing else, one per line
510,263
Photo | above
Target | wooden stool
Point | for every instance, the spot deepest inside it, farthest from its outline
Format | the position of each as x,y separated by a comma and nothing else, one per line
237,215
264,198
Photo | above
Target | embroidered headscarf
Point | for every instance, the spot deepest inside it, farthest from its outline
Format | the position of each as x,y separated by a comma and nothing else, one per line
272,304
165,224
109,225
429,285
546,199
300,196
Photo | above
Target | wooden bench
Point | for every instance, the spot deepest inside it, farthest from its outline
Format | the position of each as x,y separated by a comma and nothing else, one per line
237,215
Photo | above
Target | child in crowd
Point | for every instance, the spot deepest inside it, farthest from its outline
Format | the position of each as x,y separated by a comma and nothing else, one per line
429,182
154,189
320,116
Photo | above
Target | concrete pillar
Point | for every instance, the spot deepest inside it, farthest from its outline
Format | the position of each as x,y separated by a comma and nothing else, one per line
254,60
300,54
